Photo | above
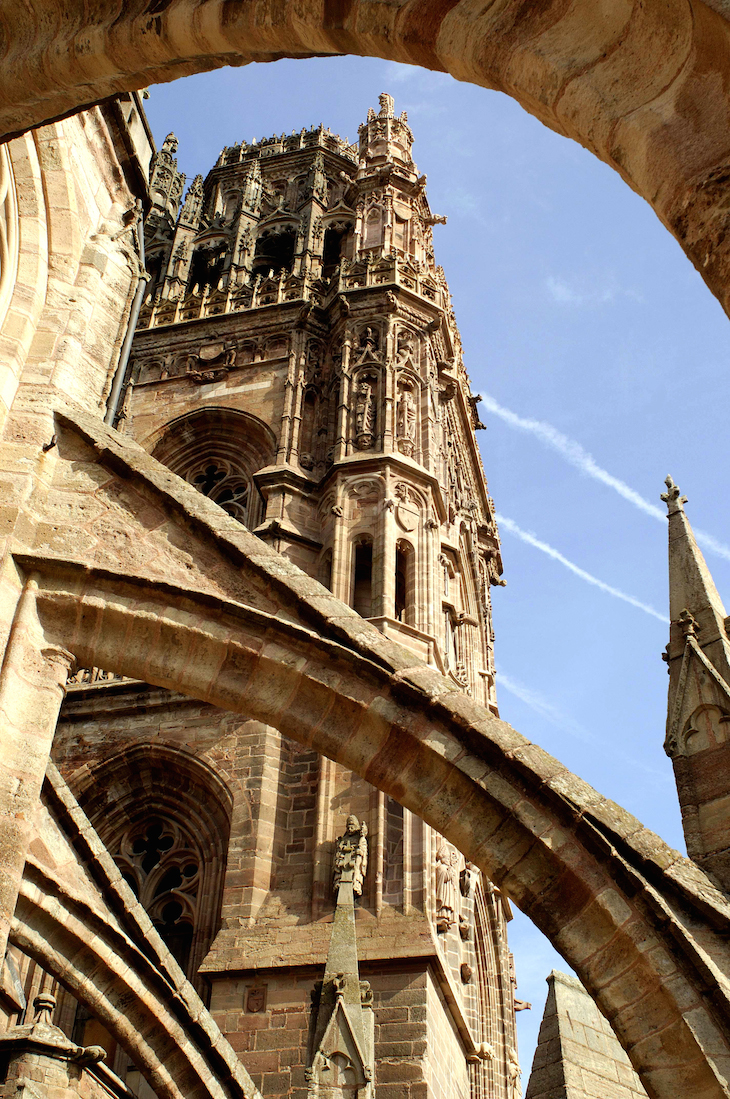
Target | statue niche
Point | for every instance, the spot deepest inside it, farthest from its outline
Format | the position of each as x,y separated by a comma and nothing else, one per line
366,419
406,418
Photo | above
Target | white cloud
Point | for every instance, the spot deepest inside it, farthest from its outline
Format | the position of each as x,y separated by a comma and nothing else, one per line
531,540
574,453
564,293
560,291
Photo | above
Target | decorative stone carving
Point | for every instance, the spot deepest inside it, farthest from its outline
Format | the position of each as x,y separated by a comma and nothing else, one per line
406,419
365,410
447,887
351,853
514,1072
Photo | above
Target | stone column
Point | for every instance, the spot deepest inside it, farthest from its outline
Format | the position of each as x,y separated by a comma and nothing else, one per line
32,687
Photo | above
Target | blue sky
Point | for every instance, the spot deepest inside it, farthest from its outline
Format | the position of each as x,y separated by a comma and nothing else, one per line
578,311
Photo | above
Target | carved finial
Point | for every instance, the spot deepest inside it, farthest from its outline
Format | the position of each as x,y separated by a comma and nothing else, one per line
387,105
673,497
688,624
44,1005
169,145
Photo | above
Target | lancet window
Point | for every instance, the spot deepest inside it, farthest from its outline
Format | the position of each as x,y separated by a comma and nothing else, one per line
362,580
206,267
405,583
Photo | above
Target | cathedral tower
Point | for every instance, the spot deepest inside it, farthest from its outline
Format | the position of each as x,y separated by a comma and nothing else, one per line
297,360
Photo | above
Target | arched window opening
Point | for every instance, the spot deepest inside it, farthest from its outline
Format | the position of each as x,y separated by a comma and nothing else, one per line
154,269
325,570
307,455
218,451
160,863
405,601
164,817
374,229
206,267
274,252
362,597
337,246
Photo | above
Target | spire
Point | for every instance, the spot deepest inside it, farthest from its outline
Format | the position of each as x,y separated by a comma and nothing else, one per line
691,587
344,1034
698,710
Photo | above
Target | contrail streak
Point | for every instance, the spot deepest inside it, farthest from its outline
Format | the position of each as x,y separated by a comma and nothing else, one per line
531,540
543,707
549,712
575,454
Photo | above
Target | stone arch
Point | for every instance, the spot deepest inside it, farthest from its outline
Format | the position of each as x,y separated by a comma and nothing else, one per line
643,86
219,450
612,898
24,266
156,782
77,919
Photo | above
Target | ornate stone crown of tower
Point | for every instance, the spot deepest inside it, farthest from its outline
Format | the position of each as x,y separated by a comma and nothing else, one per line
297,360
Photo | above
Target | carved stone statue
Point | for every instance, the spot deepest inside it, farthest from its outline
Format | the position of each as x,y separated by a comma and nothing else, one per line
514,1087
351,854
365,412
406,420
447,887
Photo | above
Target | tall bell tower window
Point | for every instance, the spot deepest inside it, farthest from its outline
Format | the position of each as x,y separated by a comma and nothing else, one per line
404,583
274,252
362,595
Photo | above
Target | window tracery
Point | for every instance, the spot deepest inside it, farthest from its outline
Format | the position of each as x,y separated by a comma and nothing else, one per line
161,864
225,486
218,451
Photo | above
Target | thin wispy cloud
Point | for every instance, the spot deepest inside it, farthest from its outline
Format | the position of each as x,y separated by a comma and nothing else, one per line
577,456
547,710
543,706
562,292
537,543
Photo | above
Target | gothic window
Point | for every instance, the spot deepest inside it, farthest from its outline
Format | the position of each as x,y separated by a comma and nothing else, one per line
337,246
153,264
160,863
206,267
373,228
223,484
325,569
274,252
218,451
362,578
306,432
